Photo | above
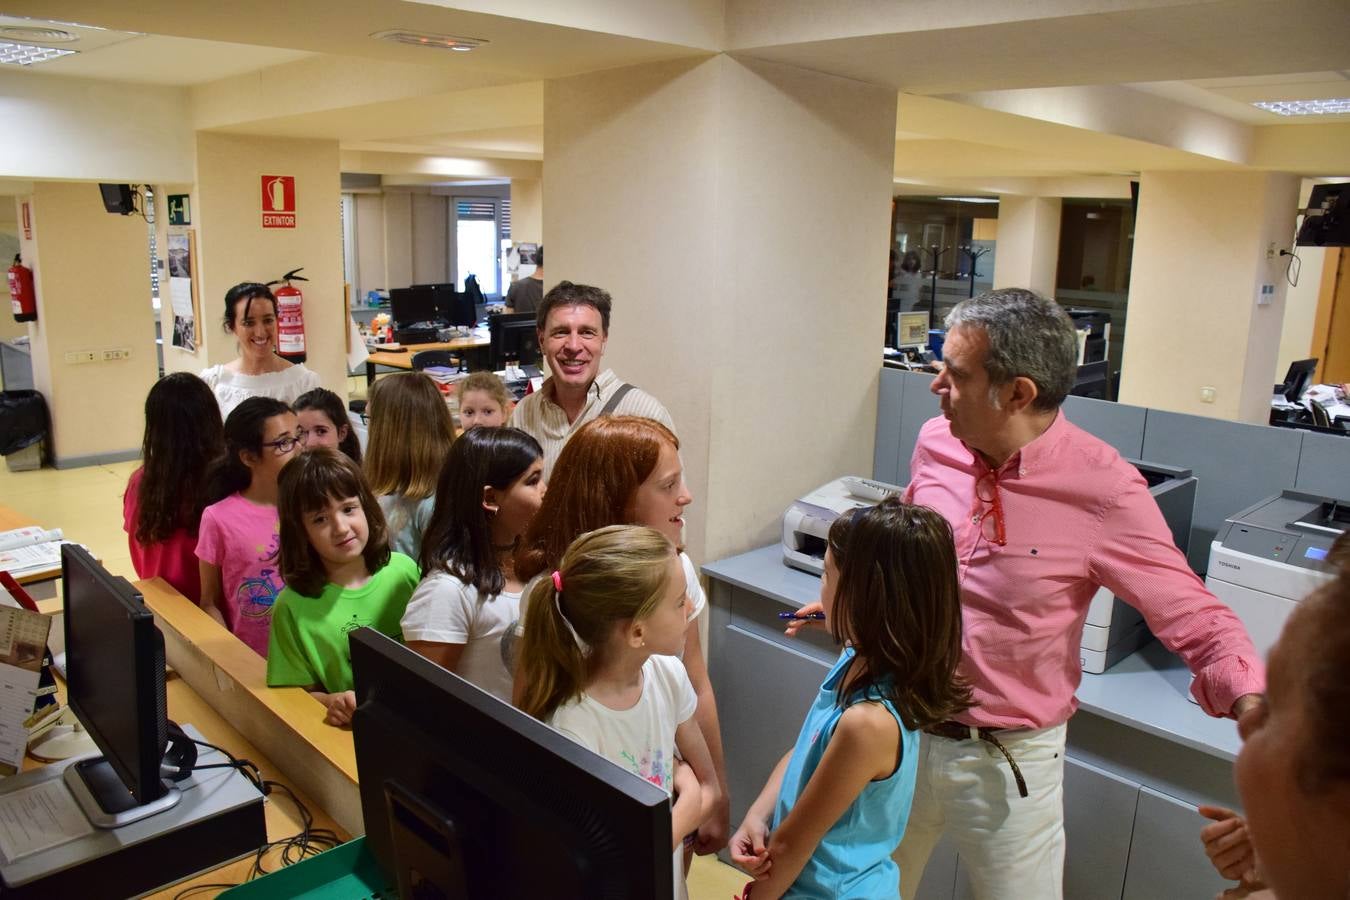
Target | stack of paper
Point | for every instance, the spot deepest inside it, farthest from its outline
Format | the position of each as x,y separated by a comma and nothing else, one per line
24,551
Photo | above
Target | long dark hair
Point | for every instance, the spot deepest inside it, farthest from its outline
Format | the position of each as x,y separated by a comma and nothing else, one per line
305,486
244,428
458,539
899,601
330,404
183,437
592,485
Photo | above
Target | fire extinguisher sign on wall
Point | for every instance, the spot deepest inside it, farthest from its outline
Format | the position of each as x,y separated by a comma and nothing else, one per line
278,201
290,317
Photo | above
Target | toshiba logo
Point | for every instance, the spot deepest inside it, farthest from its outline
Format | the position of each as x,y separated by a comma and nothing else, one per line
1229,565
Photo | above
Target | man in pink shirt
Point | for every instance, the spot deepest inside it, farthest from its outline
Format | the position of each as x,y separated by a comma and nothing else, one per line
1043,513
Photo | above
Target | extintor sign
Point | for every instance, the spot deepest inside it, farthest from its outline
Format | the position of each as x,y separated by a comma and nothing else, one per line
278,201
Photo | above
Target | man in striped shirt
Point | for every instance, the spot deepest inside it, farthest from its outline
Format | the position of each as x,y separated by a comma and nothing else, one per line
573,324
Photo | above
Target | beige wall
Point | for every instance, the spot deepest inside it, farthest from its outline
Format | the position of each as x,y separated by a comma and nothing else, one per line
1199,257
233,246
527,211
1300,301
430,240
757,361
1028,243
93,287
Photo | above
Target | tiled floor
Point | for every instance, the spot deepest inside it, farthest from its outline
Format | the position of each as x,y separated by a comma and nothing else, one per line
86,504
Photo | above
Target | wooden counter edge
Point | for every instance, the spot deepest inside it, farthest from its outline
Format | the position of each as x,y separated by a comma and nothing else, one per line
286,724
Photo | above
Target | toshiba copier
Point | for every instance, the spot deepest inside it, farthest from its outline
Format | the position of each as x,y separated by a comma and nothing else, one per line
1270,556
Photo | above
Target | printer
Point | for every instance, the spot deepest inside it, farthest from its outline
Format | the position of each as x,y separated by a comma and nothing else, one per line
1114,629
1270,556
806,523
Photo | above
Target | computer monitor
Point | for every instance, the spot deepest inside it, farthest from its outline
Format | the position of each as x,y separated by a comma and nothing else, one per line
115,685
411,305
911,330
1297,380
455,307
1329,223
465,796
513,335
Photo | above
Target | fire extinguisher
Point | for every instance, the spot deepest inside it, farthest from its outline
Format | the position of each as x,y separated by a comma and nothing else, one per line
290,316
21,294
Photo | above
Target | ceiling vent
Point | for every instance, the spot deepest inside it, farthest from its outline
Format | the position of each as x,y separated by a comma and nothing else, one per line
435,41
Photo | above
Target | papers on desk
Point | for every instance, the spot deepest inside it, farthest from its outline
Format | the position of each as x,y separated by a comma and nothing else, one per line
38,817
24,551
23,643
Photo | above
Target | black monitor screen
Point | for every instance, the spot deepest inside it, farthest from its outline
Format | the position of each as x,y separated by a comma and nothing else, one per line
115,671
455,307
514,336
1298,379
468,793
410,305
1329,226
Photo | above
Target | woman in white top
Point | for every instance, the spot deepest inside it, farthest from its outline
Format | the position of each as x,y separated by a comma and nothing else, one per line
251,316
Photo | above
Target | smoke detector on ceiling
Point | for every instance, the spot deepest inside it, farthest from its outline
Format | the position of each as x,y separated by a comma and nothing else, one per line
426,39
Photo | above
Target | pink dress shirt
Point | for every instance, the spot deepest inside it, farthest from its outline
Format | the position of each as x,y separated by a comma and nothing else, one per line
1076,516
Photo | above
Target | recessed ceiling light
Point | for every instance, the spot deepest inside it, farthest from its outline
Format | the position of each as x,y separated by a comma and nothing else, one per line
971,199
27,34
28,54
1332,107
424,39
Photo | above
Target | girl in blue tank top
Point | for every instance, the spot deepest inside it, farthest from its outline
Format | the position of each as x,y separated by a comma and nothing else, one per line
835,807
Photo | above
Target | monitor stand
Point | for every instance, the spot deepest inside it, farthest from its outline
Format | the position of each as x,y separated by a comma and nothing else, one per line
105,800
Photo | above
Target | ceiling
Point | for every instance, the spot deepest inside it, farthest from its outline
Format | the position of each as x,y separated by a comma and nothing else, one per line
969,112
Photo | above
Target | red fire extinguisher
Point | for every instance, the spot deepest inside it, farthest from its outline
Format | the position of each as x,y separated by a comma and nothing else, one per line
21,294
290,317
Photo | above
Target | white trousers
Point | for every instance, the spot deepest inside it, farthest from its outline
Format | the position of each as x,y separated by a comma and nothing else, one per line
1012,846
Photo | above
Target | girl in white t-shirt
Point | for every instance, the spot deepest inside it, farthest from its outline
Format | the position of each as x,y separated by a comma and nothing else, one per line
490,487
599,665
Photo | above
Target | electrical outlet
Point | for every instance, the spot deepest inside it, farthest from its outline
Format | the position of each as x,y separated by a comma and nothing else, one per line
1270,250
77,357
1265,294
1207,394
115,353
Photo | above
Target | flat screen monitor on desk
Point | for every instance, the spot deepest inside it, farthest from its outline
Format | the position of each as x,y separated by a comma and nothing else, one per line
455,307
514,336
464,796
911,330
411,305
1297,380
115,684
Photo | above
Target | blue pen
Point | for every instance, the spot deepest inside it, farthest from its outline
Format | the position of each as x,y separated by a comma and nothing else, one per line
818,616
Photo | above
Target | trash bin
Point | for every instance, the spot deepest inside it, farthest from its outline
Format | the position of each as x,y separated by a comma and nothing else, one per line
23,429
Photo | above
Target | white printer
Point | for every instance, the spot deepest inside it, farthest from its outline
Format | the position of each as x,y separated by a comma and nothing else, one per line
1270,556
1114,629
806,524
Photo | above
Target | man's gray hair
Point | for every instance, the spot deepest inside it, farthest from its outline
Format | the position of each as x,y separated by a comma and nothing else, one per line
1029,336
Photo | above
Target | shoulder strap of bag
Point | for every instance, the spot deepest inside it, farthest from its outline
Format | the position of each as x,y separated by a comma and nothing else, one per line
616,399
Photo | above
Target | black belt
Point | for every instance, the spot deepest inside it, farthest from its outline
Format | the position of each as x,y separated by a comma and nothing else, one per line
955,731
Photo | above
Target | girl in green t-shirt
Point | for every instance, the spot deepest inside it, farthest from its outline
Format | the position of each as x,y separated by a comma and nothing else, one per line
340,576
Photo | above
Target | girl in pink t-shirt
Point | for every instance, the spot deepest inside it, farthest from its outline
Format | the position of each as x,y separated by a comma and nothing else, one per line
239,538
164,497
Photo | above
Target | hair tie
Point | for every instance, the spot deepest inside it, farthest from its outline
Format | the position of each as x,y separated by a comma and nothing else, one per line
557,604
557,581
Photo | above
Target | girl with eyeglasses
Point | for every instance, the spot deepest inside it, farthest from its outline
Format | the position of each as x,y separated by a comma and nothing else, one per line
238,540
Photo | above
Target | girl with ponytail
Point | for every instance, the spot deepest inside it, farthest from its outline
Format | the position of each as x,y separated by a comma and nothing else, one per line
598,664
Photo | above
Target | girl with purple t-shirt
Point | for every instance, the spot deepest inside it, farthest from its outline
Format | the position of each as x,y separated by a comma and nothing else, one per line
239,536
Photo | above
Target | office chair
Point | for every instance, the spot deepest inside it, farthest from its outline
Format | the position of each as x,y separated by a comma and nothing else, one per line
425,359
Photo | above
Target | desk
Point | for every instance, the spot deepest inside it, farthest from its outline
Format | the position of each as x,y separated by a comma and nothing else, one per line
40,585
401,360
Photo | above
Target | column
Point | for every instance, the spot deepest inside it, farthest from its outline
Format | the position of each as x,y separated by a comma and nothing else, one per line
91,271
737,211
1201,340
527,211
233,245
1028,243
